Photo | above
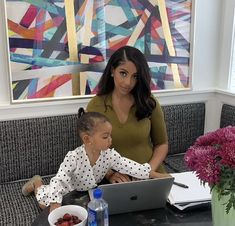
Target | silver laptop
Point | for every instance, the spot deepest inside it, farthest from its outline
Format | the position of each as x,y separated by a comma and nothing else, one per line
136,195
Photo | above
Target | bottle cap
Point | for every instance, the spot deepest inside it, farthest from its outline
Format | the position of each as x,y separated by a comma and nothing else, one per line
97,193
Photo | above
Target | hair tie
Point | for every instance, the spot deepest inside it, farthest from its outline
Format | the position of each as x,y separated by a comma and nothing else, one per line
81,112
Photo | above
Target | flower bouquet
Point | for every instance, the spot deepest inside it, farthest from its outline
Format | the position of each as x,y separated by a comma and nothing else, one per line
212,157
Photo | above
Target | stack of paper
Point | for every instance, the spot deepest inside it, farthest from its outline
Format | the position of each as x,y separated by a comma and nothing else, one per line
195,194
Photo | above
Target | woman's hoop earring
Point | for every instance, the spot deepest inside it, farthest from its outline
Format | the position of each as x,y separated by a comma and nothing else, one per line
111,75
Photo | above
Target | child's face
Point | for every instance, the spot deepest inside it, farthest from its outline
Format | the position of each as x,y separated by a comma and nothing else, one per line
101,139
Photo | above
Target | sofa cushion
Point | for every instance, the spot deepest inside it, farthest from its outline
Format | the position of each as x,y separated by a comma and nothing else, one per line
17,209
35,146
175,163
184,122
227,116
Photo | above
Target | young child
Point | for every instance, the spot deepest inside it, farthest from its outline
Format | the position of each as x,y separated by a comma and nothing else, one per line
85,167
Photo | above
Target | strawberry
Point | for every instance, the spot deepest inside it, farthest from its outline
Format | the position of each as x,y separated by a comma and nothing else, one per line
76,221
60,220
68,220
65,223
67,217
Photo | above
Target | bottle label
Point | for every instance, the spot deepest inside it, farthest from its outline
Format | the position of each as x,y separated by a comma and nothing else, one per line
98,218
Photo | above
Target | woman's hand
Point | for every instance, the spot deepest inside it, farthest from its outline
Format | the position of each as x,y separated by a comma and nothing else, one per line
117,177
154,174
54,206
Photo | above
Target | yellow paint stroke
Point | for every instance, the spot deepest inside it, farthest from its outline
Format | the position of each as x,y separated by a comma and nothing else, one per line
86,41
139,27
72,43
11,33
169,42
14,85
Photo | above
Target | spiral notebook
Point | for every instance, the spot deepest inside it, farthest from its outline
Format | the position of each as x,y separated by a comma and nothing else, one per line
136,195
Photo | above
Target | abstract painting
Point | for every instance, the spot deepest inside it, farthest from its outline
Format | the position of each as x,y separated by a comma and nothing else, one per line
59,48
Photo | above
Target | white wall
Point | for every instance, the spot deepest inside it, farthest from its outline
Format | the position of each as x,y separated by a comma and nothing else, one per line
207,28
205,69
226,34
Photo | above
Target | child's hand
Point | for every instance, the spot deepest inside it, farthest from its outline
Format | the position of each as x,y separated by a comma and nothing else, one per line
54,206
154,174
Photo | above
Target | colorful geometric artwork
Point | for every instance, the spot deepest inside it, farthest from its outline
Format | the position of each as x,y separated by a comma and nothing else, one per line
59,48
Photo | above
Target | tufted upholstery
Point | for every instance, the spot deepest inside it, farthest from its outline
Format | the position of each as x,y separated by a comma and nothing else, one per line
227,116
184,122
35,146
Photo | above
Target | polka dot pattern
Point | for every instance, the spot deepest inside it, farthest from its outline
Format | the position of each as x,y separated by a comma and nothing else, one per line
76,173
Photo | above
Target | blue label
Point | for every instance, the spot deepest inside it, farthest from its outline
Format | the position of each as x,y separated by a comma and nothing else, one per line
100,218
92,217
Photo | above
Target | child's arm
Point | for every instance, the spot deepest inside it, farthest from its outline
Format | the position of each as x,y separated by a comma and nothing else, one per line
54,205
60,182
127,166
132,168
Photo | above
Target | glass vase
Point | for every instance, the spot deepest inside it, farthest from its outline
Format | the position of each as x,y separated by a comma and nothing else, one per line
219,215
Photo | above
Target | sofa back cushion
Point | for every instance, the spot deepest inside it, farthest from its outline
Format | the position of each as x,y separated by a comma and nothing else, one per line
35,146
185,123
227,116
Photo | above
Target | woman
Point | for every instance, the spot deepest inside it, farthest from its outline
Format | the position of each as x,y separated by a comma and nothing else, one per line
124,96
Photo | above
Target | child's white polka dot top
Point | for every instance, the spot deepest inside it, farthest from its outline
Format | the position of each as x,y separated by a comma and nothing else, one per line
76,173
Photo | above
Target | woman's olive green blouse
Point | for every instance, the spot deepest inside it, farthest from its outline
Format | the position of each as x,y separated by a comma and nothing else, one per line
133,139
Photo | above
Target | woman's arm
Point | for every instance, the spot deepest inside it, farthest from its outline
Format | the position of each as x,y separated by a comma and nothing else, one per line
159,154
154,174
159,137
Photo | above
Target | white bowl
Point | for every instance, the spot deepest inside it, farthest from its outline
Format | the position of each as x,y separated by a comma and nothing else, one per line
75,210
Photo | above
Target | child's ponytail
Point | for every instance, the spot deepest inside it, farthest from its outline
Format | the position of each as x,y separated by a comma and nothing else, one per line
81,112
88,120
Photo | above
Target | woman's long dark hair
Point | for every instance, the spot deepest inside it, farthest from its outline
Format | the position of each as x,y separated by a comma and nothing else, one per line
141,92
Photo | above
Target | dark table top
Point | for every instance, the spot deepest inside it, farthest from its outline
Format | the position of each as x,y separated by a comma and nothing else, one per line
167,216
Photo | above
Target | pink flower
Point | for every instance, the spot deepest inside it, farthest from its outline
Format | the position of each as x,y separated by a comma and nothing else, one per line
217,137
207,139
212,157
195,153
202,159
208,169
227,154
210,153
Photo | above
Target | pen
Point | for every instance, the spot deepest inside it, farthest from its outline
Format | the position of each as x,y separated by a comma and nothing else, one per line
180,185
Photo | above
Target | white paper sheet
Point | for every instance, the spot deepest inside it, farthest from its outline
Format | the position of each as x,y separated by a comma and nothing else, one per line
196,192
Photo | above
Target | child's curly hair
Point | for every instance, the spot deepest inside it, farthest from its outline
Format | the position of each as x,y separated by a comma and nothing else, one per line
87,121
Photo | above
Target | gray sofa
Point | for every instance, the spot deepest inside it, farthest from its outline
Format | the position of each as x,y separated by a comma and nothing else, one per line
38,145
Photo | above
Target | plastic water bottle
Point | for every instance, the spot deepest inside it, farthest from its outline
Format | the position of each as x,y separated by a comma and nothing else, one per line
98,210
